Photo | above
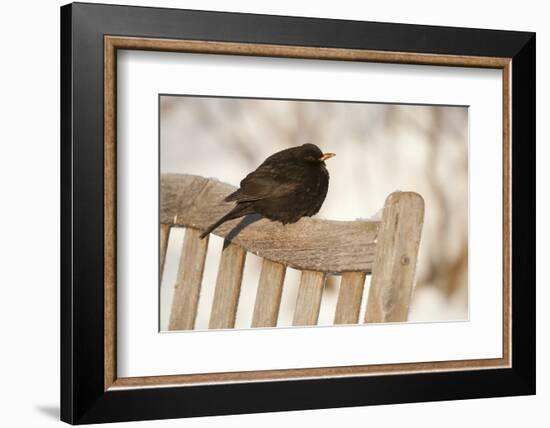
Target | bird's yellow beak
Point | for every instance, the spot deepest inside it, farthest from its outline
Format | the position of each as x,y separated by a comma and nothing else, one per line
327,156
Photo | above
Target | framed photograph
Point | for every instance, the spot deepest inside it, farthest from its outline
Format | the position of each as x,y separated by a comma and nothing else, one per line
265,213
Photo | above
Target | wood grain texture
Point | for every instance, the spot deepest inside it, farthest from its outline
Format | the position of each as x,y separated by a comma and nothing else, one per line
309,244
228,287
307,373
112,43
164,236
309,52
394,270
349,298
268,296
308,302
507,212
188,282
110,216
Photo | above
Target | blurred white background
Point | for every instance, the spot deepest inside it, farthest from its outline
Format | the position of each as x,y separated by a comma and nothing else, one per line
380,148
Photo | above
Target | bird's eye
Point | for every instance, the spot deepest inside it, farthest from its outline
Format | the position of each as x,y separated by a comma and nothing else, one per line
310,159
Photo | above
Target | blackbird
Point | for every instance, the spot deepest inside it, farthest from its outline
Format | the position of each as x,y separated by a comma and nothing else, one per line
287,186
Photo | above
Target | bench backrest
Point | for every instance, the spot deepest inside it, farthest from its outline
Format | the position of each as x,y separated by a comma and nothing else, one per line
386,248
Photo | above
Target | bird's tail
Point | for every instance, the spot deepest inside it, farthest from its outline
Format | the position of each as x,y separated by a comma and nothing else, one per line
238,211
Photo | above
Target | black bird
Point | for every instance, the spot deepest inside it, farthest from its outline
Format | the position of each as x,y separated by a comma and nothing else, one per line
287,186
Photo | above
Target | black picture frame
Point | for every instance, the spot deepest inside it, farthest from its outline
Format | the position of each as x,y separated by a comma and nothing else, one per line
83,398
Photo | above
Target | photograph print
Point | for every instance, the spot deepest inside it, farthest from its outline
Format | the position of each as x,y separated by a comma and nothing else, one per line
290,213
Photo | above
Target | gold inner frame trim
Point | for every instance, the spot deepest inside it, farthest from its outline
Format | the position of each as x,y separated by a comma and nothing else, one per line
113,43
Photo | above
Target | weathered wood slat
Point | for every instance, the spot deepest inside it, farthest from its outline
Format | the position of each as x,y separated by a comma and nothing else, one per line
228,287
188,282
349,298
308,302
163,241
309,244
395,264
268,296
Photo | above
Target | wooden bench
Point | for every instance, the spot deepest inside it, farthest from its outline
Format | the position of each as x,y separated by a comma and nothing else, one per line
387,249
